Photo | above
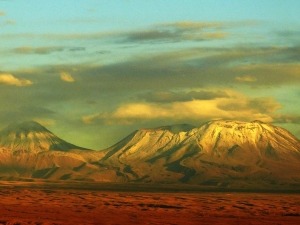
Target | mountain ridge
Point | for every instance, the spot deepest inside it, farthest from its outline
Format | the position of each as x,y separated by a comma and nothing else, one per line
196,156
221,153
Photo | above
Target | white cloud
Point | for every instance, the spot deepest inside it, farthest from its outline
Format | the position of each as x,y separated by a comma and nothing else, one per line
9,79
64,76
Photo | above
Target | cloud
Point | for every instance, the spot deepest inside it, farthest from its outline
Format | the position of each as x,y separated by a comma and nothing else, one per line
9,79
191,68
88,119
272,74
67,77
168,32
145,76
159,33
6,22
37,50
289,35
234,106
246,78
45,122
77,49
181,96
9,22
197,66
179,31
24,111
257,105
285,118
184,31
62,37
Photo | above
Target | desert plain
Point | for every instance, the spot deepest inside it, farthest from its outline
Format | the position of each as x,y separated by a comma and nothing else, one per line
24,203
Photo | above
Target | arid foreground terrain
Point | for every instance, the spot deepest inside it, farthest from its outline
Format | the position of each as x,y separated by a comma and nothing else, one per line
27,203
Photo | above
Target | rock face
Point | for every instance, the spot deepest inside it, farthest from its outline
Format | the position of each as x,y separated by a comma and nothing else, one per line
220,153
224,153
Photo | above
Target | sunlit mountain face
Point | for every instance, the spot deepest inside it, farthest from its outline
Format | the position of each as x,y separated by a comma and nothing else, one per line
29,150
84,68
32,137
222,153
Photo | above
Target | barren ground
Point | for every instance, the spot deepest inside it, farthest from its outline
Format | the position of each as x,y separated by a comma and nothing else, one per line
23,204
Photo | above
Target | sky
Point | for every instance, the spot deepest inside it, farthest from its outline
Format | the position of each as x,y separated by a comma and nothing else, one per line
93,71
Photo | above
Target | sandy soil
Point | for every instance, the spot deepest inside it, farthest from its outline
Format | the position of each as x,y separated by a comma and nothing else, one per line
24,205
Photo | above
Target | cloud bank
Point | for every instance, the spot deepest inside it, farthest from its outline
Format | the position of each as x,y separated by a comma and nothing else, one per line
212,105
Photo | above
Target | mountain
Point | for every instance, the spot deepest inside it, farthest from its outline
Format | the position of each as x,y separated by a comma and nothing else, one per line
29,150
224,153
33,137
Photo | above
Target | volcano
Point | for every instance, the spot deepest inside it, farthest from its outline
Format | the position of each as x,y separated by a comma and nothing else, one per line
29,150
223,153
33,137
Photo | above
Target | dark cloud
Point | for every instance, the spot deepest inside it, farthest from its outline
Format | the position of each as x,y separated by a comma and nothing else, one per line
174,32
289,54
150,35
195,68
185,69
103,52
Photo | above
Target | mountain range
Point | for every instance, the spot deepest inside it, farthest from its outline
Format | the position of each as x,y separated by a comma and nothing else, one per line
221,153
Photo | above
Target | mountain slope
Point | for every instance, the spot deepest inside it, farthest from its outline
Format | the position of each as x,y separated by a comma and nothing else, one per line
29,150
33,137
224,153
218,152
